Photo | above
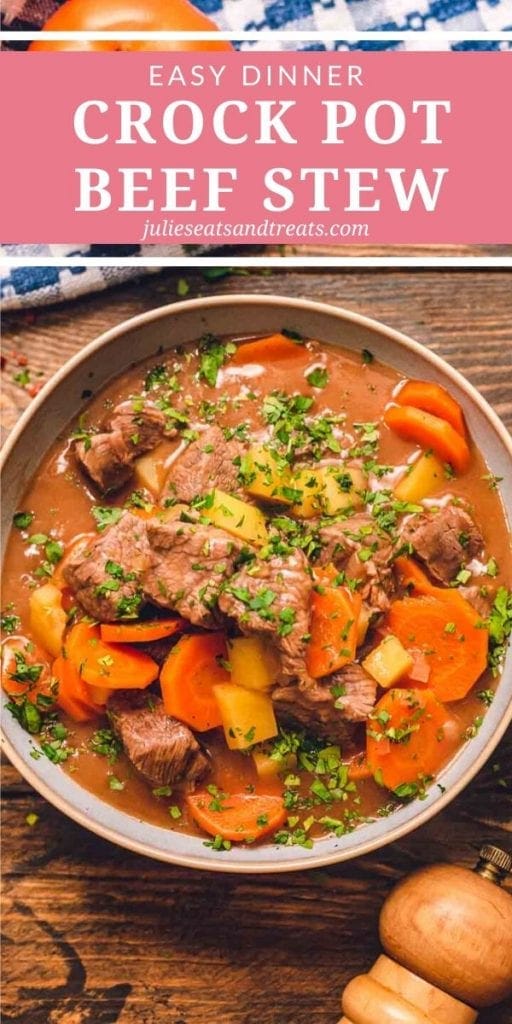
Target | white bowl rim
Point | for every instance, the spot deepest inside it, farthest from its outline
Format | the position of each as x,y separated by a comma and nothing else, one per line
292,863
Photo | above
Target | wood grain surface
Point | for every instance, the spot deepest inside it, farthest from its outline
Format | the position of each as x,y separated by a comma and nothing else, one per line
94,934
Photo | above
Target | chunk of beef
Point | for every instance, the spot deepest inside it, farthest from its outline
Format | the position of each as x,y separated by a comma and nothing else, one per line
330,707
106,460
364,553
356,692
444,540
108,457
272,598
141,425
106,576
159,650
162,749
189,563
209,462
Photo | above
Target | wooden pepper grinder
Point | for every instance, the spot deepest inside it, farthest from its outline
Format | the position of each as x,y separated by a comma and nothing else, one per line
447,933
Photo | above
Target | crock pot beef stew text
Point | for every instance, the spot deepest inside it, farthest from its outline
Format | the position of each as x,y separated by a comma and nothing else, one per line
258,591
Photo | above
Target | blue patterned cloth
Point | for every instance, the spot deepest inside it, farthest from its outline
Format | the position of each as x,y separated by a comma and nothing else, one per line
316,15
361,15
24,286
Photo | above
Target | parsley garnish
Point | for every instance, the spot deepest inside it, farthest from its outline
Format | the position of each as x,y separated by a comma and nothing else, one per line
287,618
9,622
115,783
499,625
219,844
106,743
156,377
318,378
22,520
25,672
213,355
105,516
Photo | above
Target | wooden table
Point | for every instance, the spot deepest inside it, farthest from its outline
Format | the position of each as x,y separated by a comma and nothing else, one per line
95,934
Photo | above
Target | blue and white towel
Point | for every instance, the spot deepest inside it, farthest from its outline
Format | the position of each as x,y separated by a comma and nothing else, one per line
24,286
316,15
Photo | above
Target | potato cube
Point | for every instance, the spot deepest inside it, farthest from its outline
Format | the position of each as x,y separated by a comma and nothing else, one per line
267,475
47,618
237,517
342,488
310,486
269,767
247,715
388,662
425,477
150,471
253,663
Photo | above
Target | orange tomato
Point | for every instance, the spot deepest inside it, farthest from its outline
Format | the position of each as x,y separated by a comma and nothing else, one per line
129,16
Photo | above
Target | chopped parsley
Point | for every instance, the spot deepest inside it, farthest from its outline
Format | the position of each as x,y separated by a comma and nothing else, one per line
25,672
156,377
26,713
22,520
105,516
218,843
486,696
318,378
9,622
499,625
287,618
213,355
162,791
115,783
492,480
473,729
105,743
260,602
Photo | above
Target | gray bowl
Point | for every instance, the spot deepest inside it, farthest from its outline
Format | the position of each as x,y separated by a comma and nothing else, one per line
60,400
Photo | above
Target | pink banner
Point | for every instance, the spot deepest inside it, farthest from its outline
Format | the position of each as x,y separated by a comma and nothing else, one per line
245,147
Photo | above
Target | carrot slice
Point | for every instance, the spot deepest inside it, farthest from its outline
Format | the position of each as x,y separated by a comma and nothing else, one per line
334,615
266,350
140,632
73,695
188,676
410,734
25,670
448,631
99,694
429,432
445,629
359,769
239,817
410,574
424,394
116,666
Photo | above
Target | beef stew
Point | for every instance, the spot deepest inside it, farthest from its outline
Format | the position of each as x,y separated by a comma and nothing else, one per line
259,591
